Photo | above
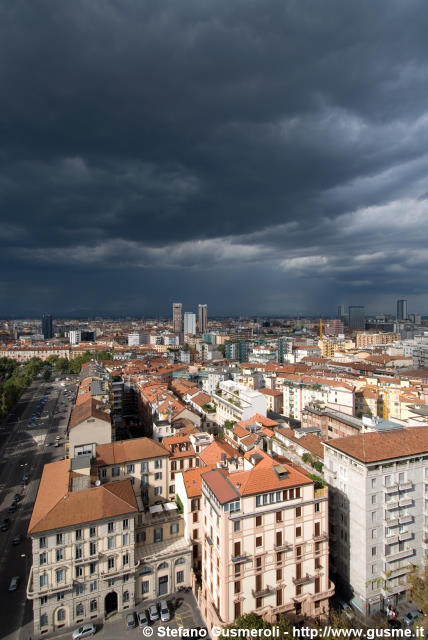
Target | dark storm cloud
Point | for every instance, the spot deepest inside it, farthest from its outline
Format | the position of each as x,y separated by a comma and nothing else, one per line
174,146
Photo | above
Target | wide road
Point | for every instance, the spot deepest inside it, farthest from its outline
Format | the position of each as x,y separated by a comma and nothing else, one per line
24,449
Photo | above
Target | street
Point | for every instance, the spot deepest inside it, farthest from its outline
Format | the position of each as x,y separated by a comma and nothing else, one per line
23,450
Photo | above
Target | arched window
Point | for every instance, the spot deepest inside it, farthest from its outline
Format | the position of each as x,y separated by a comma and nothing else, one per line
180,561
163,565
60,615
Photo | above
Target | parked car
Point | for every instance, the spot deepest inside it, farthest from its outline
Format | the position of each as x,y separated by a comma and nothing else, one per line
58,438
164,611
16,497
17,539
346,609
5,524
412,616
84,631
14,583
130,621
153,613
142,619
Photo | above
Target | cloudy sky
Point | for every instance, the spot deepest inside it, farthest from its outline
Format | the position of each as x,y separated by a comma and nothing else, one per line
260,156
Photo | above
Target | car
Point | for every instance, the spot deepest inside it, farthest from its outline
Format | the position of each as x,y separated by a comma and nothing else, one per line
12,508
5,524
14,583
84,631
58,438
412,616
142,619
56,444
130,621
346,609
17,497
153,613
25,476
17,539
164,611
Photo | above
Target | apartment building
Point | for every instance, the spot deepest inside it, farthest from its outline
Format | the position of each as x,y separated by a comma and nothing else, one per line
366,339
234,402
265,544
378,518
300,391
331,423
274,399
88,426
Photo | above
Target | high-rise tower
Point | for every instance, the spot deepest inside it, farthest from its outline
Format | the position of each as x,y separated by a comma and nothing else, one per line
202,318
402,310
47,328
177,317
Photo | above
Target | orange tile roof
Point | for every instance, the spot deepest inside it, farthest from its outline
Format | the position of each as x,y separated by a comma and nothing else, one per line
193,480
56,507
264,478
377,446
128,451
212,454
89,409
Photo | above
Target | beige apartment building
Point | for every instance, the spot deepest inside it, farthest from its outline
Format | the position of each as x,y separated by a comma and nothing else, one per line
366,339
265,544
105,536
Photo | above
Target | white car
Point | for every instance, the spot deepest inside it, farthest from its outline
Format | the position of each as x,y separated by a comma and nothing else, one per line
14,583
142,619
164,611
84,631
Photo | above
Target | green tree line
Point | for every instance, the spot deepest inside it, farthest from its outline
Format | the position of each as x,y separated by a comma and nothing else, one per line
14,378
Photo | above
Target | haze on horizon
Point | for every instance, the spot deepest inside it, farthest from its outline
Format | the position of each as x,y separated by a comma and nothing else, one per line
266,157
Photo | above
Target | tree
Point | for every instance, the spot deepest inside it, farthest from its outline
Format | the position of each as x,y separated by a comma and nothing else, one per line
306,457
418,580
221,348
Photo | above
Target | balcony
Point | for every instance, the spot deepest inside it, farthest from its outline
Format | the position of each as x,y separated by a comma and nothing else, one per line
391,489
404,486
408,535
407,553
321,537
392,539
303,580
394,573
262,593
405,519
286,546
243,557
391,521
406,502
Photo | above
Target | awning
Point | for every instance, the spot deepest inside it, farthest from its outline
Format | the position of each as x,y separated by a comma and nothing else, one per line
170,506
157,508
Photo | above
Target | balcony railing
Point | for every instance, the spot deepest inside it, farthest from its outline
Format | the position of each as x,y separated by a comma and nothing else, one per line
405,519
406,502
262,593
320,537
285,546
399,555
243,557
303,579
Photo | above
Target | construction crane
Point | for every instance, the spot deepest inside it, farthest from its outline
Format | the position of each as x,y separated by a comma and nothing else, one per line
321,336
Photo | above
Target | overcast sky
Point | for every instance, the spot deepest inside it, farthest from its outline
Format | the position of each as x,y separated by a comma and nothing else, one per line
263,157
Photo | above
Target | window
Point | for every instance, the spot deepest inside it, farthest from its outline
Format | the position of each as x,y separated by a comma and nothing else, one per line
144,467
374,498
158,535
93,605
158,463
60,616
298,512
298,532
278,575
59,575
110,562
110,527
92,532
162,566
317,585
93,586
43,600
158,491
180,577
141,537
78,534
129,468
110,582
259,541
115,472
125,559
173,528
43,580
59,555
387,481
278,516
180,561
79,609
78,551
104,473
110,543
60,595
43,619
259,521
373,551
145,586
92,567
195,516
79,572
237,586
125,577
59,538
42,542
92,548
237,525
125,539
125,596
43,558
158,475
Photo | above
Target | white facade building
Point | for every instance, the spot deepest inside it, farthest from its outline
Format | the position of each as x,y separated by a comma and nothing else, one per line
189,323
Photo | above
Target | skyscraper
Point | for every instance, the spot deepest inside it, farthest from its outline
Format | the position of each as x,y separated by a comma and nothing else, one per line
402,310
357,318
177,317
47,329
189,323
202,318
341,311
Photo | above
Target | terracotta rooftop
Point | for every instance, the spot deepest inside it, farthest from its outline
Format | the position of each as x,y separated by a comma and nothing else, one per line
212,454
219,484
56,507
375,446
193,480
129,450
89,409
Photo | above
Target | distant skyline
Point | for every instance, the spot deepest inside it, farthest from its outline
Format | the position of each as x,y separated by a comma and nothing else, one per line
269,158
